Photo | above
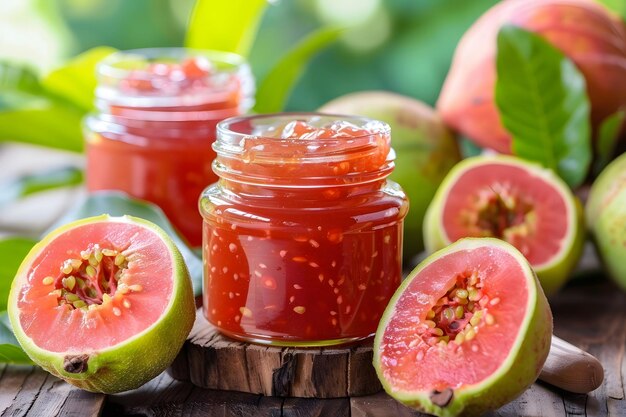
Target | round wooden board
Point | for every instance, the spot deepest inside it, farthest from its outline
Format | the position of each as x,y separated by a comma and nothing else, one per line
211,360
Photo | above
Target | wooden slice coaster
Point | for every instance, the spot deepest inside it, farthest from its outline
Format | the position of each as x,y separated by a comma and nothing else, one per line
211,360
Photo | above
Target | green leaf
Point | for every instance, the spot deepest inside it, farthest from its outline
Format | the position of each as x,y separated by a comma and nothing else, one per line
119,204
12,251
543,104
40,120
76,80
18,78
225,25
468,148
608,135
617,6
10,350
274,91
40,181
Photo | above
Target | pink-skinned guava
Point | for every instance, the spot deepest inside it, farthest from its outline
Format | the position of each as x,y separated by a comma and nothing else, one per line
584,30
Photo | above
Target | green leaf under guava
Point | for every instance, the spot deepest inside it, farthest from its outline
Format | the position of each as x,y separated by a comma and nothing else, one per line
543,103
116,203
76,79
274,90
225,25
10,349
12,251
608,135
40,181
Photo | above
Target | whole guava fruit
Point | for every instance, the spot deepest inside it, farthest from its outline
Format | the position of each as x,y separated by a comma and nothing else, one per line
606,218
467,331
425,150
583,30
104,303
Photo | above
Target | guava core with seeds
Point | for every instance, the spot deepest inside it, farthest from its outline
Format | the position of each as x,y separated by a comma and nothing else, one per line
104,303
468,330
513,200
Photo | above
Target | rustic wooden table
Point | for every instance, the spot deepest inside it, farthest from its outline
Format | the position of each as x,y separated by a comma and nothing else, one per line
589,312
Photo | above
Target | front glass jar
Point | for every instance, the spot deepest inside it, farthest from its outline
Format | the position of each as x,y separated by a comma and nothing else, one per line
303,231
151,135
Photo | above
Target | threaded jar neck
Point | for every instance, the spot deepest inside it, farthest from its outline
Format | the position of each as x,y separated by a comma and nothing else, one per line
258,150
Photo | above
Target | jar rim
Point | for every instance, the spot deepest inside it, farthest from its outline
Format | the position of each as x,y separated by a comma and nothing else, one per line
109,66
229,131
121,72
248,151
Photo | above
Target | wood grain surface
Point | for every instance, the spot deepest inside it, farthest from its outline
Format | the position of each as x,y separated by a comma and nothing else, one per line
210,360
589,313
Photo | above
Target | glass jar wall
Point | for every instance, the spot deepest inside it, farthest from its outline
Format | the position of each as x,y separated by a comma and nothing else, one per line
303,231
151,135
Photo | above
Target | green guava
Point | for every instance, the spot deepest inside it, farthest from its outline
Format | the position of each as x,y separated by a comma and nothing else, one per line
425,150
606,218
468,330
514,200
104,303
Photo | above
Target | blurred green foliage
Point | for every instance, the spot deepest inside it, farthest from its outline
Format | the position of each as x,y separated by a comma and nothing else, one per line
399,45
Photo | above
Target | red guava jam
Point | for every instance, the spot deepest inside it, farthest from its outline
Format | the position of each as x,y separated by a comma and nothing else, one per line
303,232
152,134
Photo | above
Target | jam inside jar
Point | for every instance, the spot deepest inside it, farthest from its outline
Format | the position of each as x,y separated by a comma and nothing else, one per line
155,119
302,234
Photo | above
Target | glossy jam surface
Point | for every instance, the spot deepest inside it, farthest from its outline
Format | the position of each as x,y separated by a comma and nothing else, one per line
303,265
152,137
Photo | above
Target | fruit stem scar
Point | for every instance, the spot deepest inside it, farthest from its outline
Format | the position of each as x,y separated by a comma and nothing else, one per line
75,364
442,398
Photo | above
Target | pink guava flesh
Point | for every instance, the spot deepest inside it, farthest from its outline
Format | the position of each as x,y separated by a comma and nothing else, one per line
139,298
516,205
412,362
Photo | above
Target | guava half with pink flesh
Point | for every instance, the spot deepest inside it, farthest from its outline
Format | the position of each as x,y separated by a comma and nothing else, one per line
468,330
514,200
104,303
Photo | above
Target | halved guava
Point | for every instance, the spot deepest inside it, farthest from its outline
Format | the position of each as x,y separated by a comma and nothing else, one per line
104,303
468,330
513,200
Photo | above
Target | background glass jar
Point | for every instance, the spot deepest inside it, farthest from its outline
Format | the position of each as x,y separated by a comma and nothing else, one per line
302,233
151,135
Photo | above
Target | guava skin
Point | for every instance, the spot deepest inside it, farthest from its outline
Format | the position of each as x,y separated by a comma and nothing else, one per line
552,275
606,218
521,368
425,150
131,363
584,30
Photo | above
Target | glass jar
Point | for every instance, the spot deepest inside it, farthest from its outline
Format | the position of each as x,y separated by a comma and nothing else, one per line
151,135
302,234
